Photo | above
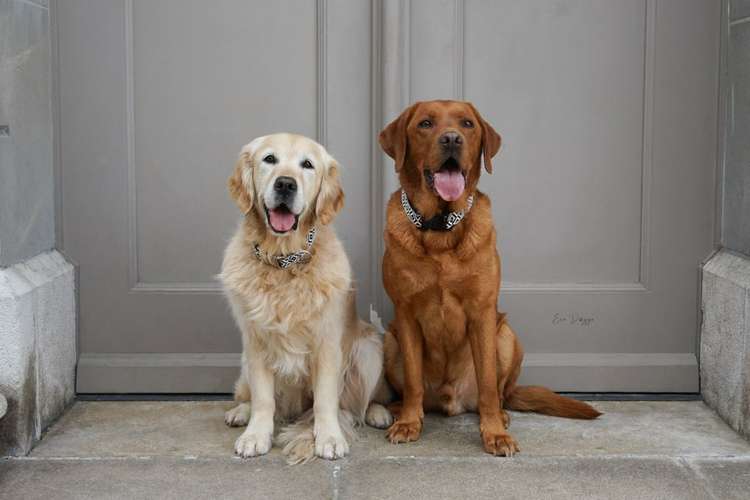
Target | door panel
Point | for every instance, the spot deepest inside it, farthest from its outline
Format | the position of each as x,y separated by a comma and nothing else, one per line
571,115
602,193
157,99
196,100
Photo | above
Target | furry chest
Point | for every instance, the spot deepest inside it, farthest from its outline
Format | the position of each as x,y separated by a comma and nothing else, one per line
287,355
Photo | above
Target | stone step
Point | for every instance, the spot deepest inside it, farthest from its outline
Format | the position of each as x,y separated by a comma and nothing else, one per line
184,450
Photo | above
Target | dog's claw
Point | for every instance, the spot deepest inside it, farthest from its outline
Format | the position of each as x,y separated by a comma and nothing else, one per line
331,447
252,444
403,432
238,416
502,445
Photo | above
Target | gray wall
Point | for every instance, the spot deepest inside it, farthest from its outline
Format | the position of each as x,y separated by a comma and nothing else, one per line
736,210
27,220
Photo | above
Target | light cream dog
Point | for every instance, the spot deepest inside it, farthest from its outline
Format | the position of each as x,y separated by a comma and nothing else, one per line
307,358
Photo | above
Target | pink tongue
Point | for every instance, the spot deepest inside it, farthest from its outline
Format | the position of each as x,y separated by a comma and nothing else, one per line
449,185
281,220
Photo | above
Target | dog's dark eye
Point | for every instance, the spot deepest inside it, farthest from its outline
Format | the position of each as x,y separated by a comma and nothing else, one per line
468,124
307,164
270,159
425,124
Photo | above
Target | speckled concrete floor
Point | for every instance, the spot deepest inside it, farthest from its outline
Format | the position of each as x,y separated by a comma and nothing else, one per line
184,450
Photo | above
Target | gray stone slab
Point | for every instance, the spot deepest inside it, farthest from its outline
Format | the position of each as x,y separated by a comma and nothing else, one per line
163,478
679,428
121,429
725,338
725,478
522,478
141,428
740,9
184,450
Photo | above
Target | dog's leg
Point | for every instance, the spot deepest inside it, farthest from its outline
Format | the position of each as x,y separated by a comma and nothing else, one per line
408,425
256,440
329,440
240,414
482,328
365,389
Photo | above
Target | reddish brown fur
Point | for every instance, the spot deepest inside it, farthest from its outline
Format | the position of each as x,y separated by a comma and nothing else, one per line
448,348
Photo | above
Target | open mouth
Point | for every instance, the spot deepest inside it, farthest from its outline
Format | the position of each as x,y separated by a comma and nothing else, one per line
281,219
448,181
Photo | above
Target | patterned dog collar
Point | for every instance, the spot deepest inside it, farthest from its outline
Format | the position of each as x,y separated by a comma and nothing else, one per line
441,222
285,261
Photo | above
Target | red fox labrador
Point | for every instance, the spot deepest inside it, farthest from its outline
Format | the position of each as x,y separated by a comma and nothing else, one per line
449,349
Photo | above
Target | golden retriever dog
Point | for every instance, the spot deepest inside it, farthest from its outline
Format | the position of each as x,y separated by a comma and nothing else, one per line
449,349
307,360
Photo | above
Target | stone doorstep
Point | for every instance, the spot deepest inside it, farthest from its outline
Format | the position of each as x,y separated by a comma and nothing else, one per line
518,478
183,449
108,429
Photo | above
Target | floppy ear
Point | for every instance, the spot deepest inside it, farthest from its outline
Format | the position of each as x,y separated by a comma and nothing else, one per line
240,184
491,141
331,196
393,137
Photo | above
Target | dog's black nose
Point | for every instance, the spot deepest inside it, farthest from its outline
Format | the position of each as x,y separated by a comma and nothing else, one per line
285,185
451,140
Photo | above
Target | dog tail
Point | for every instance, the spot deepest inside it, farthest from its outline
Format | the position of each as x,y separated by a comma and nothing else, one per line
298,439
542,400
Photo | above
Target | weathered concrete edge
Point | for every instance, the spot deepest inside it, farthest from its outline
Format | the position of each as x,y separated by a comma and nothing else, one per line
37,347
730,266
727,343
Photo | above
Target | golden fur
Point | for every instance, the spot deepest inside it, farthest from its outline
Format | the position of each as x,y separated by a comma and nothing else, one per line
300,332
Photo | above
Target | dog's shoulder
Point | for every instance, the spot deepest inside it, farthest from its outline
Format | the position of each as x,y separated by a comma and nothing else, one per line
479,238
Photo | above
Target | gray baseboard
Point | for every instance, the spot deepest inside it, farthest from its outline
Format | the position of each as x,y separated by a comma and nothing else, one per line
189,373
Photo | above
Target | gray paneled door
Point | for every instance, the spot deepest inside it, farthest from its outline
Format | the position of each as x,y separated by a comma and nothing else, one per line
603,194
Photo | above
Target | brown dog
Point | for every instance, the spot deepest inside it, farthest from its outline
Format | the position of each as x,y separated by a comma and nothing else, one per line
448,348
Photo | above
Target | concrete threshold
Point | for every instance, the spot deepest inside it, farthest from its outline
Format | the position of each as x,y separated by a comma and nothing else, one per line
182,449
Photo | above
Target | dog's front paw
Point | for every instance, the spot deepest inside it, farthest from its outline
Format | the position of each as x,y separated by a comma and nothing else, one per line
252,444
499,443
378,416
331,445
404,431
238,416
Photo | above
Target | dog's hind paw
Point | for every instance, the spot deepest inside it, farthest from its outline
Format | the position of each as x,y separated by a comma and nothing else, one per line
238,416
378,416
